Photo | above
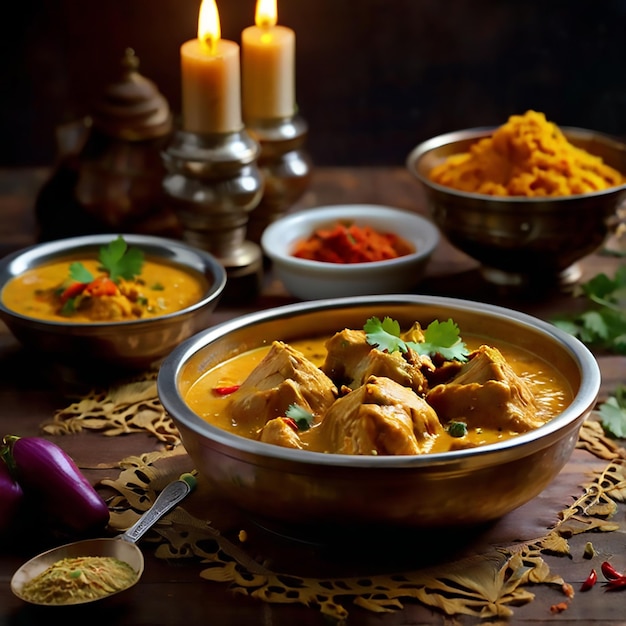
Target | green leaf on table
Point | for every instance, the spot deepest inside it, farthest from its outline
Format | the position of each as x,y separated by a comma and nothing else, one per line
613,414
603,324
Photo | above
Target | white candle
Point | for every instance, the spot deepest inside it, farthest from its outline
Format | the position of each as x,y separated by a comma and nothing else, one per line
268,66
211,81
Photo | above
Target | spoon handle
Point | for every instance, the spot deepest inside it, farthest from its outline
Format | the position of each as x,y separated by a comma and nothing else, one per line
165,502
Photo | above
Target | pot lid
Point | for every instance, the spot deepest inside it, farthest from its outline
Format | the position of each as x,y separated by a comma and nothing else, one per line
132,108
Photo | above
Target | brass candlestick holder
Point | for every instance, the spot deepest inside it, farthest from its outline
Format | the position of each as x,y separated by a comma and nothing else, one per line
213,182
285,165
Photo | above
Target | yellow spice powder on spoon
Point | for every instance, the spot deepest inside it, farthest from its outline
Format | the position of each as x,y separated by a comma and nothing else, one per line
527,156
79,579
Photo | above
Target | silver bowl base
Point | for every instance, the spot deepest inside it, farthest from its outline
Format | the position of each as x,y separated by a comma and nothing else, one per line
502,278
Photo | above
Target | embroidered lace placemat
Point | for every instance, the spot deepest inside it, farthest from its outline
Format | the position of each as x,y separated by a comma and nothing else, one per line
492,575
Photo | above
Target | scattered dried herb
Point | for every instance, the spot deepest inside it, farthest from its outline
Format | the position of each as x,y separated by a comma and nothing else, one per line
589,551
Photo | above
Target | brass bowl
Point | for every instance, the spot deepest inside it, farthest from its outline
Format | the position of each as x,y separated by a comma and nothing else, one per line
518,240
309,493
88,350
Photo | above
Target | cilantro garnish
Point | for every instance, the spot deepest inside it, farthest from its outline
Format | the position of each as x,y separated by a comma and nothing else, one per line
613,414
80,273
603,324
302,418
120,261
384,335
439,338
69,307
116,259
442,338
457,429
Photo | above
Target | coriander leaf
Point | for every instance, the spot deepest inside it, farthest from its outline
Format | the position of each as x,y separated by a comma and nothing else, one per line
302,417
603,324
594,323
442,338
613,414
457,429
80,273
599,286
120,261
69,308
384,335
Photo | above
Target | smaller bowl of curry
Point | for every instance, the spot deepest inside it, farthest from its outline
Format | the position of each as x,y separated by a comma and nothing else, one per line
108,302
349,250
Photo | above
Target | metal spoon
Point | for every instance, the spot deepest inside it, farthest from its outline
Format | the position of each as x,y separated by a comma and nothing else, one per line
121,547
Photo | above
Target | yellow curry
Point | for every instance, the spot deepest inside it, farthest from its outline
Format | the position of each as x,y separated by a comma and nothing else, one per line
83,290
359,399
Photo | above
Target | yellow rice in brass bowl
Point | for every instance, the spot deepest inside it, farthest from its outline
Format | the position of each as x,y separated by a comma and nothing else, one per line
527,200
527,156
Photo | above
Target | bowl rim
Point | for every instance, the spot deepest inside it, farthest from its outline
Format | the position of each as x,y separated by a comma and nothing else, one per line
582,403
479,132
66,246
362,212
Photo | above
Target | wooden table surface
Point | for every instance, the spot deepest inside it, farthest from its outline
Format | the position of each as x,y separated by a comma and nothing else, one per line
174,594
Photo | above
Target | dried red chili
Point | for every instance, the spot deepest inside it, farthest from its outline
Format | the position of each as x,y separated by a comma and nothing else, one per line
590,581
610,573
616,584
291,423
226,390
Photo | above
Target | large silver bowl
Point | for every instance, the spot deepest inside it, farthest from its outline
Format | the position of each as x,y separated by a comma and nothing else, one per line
111,346
518,240
306,490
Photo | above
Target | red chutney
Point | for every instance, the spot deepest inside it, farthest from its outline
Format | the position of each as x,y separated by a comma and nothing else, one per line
349,243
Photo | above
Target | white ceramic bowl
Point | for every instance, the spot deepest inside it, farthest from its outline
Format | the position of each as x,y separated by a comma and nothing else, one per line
313,280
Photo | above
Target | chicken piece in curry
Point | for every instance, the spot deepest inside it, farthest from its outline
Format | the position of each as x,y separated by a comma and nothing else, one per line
344,394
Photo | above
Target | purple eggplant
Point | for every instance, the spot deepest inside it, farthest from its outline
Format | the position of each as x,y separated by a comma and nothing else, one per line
51,478
11,497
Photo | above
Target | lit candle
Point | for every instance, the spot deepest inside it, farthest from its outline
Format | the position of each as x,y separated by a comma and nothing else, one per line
268,66
211,81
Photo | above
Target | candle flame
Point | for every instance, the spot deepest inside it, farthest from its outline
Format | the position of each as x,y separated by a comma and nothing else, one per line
209,30
266,14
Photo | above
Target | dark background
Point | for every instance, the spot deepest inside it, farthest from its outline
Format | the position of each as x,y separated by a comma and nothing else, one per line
374,77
